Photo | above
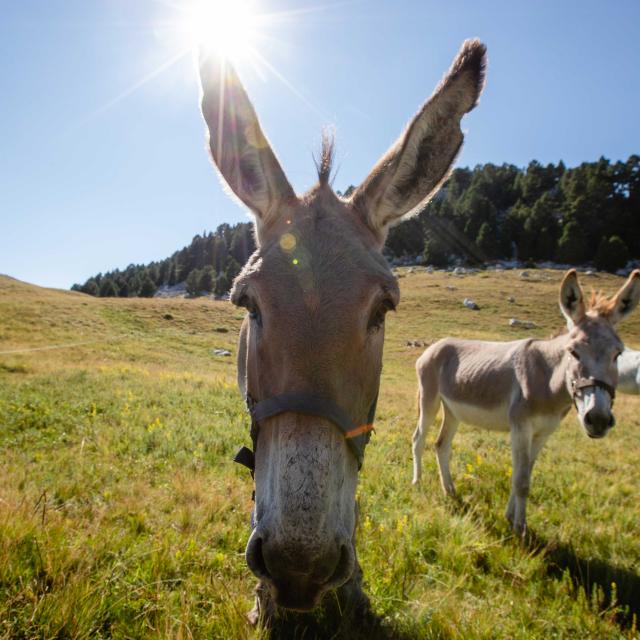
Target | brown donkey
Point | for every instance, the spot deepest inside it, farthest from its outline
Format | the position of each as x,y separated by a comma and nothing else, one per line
310,355
526,386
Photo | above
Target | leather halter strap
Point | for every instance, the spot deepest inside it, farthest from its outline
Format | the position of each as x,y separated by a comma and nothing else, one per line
584,383
356,435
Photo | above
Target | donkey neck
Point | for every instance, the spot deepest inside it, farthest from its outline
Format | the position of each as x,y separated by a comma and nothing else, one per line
555,353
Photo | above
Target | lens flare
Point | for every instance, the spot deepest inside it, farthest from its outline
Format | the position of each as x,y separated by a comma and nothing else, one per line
288,242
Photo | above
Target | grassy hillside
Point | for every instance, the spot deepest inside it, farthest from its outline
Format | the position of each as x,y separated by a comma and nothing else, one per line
122,515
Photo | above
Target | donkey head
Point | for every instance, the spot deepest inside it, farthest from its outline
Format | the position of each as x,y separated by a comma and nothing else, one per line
316,293
593,348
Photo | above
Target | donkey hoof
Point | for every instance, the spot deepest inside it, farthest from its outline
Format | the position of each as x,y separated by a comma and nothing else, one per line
520,529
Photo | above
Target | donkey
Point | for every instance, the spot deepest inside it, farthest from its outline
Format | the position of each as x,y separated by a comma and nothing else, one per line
527,386
316,292
629,372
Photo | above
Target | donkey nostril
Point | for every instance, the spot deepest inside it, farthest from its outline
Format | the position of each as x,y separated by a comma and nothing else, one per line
612,421
255,559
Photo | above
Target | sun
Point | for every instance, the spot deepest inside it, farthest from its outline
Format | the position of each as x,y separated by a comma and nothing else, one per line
224,26
236,30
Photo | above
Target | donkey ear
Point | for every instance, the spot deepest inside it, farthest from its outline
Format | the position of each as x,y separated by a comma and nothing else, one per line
417,164
626,300
238,147
571,299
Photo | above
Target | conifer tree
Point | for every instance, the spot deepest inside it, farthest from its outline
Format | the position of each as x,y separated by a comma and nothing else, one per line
147,287
206,281
193,283
108,288
612,254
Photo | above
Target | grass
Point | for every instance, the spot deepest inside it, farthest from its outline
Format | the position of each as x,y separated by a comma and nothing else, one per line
122,515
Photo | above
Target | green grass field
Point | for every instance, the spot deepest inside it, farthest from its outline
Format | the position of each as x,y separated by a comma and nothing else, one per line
123,516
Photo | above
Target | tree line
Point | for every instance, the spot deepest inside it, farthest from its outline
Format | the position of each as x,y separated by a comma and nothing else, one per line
589,214
207,265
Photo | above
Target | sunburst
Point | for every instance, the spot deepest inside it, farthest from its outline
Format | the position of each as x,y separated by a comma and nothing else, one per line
235,30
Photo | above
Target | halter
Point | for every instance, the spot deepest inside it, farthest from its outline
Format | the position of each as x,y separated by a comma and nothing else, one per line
357,436
584,383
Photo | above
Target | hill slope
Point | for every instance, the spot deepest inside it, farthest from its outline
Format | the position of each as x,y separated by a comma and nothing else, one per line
122,515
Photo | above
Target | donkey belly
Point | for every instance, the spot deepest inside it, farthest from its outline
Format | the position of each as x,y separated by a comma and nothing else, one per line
493,418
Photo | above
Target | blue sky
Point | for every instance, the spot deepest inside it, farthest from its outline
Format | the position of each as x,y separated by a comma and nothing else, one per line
94,175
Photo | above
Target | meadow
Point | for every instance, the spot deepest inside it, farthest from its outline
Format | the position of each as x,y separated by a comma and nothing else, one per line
122,514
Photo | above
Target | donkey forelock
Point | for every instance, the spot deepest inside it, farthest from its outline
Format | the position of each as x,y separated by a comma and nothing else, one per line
324,164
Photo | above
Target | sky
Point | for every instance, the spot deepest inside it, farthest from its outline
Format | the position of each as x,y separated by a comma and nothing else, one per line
103,159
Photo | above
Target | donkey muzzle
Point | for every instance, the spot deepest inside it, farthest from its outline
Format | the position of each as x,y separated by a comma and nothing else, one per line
598,423
296,574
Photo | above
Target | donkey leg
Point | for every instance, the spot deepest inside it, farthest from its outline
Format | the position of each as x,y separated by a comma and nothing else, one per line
538,440
443,449
428,407
521,438
537,443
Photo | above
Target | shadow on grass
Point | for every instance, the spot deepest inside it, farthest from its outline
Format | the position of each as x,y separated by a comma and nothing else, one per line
309,627
619,587
331,623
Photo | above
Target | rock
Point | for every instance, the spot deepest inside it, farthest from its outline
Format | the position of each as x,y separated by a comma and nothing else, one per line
509,264
522,324
174,291
470,304
450,288
511,299
524,274
221,352
459,271
590,273
221,330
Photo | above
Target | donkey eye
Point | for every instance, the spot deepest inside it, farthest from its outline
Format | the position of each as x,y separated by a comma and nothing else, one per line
252,309
377,318
254,314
